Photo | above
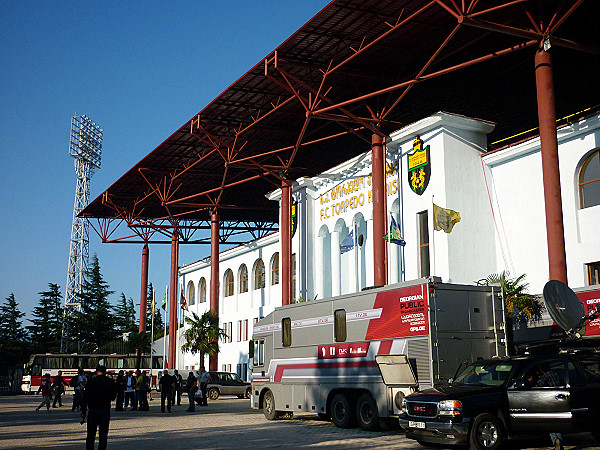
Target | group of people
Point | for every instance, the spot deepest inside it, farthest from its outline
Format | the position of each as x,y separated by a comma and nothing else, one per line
93,395
171,388
132,389
56,388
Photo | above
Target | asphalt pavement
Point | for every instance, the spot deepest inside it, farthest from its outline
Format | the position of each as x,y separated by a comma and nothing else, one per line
226,423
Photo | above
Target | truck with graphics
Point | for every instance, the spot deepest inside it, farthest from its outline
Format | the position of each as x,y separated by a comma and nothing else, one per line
353,358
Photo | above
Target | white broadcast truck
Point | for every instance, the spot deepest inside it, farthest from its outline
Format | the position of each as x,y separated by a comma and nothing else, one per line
353,358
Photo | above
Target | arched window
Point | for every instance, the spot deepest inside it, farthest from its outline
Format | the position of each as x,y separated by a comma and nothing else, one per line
259,274
589,181
191,293
243,278
275,269
228,283
202,298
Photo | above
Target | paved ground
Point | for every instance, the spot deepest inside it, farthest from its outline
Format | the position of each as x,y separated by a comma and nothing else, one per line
227,423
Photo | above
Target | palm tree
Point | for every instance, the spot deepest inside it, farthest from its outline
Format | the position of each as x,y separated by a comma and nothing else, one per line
521,307
203,334
137,343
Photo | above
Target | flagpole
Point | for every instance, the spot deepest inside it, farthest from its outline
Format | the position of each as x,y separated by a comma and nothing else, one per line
432,234
356,256
401,209
152,336
165,331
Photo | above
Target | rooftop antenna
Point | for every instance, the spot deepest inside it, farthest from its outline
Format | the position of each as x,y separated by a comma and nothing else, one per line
85,146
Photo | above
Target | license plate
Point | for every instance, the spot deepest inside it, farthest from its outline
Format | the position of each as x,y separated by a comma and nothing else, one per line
412,424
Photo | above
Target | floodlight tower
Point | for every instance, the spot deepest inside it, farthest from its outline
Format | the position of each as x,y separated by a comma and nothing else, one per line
85,146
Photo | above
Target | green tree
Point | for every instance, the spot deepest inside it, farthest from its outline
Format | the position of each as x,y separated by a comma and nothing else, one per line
521,307
203,334
158,320
14,347
124,315
95,324
47,323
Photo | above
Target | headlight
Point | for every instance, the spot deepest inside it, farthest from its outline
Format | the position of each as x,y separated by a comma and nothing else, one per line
399,400
450,408
403,407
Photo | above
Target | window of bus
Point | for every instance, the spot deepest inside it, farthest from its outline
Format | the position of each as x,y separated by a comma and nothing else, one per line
339,328
286,331
258,357
157,362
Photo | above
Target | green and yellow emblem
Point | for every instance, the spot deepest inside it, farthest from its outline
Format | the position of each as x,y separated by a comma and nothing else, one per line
419,167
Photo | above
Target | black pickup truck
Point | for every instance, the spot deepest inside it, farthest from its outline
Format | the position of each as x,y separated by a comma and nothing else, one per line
493,399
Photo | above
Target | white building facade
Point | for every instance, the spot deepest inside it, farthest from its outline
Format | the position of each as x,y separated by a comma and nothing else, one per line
499,196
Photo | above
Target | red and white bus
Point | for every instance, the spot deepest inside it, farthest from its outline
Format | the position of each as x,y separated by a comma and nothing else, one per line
69,364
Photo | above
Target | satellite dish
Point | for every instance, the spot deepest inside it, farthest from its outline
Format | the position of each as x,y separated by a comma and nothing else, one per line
564,307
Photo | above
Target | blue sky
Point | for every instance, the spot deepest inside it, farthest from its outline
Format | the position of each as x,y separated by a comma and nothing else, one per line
138,69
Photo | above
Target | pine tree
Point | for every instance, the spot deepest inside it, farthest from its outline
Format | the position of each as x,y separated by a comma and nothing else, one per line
95,323
124,315
14,346
47,323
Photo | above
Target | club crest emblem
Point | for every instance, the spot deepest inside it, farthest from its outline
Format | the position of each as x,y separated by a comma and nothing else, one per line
419,167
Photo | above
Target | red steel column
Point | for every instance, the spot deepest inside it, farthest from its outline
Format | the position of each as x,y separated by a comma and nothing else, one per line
555,232
173,301
213,362
285,233
144,289
379,214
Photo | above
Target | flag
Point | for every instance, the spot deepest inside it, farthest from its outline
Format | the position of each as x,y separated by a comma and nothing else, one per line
348,243
394,235
164,302
153,305
182,301
444,219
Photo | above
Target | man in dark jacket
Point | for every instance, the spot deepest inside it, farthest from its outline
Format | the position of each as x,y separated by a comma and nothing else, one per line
166,391
98,394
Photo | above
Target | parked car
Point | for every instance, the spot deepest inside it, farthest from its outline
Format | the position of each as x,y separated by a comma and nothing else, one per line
493,399
226,383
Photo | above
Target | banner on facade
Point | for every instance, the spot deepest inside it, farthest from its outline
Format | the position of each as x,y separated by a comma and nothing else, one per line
444,219
419,167
294,218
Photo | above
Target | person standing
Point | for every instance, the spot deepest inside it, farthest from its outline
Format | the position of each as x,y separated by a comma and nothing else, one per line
166,391
58,386
79,386
138,384
204,380
144,388
129,389
177,387
45,384
191,386
121,384
100,391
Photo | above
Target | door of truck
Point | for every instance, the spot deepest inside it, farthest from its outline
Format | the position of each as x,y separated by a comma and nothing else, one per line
399,377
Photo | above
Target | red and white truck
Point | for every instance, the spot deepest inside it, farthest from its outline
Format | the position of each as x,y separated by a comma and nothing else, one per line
353,358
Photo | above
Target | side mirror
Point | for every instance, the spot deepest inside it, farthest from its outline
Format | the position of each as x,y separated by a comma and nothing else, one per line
523,384
251,350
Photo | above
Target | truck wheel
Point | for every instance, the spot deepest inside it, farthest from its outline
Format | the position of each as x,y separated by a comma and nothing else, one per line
342,411
367,414
486,433
248,393
213,393
269,406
